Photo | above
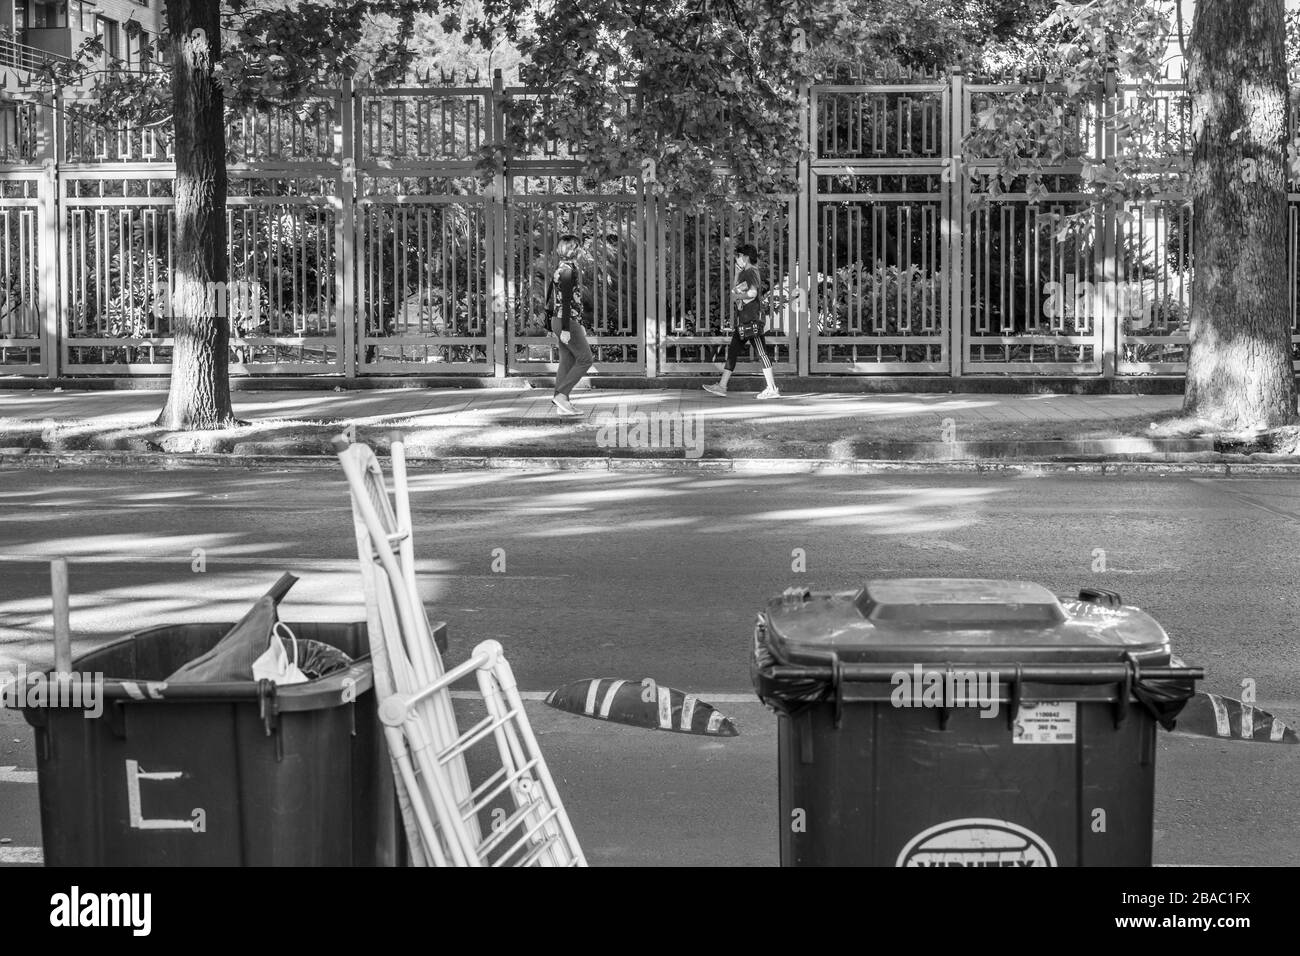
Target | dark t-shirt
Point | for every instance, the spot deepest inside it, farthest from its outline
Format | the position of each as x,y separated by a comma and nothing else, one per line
565,287
748,312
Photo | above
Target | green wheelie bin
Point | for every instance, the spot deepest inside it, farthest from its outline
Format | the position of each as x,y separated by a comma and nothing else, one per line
965,723
237,773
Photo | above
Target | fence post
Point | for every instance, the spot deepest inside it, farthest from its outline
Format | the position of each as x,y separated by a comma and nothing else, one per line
496,232
49,148
953,211
1106,311
647,288
801,332
345,263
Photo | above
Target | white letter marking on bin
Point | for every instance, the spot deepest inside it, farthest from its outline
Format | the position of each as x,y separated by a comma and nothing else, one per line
133,777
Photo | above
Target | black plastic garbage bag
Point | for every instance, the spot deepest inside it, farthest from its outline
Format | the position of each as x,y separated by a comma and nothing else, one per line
1164,698
318,659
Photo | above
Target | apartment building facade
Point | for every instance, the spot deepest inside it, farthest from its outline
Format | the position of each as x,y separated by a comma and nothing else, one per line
33,31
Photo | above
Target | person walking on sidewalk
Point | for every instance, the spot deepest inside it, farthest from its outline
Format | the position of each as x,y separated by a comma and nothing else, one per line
750,325
576,356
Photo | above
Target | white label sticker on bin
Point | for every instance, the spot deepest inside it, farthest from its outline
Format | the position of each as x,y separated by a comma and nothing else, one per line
1046,722
977,842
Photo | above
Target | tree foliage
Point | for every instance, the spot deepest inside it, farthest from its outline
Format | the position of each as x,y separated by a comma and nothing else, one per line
689,87
1105,105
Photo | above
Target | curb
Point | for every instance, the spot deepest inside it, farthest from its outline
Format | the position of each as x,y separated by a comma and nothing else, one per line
1084,449
99,459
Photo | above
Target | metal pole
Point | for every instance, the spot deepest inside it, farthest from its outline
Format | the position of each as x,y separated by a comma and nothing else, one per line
953,210
346,313
50,150
649,304
62,629
496,233
801,330
1107,336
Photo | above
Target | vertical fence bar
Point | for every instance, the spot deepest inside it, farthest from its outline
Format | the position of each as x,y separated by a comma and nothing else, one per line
647,290
363,240
1106,319
805,203
663,249
495,228
954,224
345,261
49,146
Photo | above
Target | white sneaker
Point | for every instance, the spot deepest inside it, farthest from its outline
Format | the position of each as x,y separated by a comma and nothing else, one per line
716,390
564,406
769,392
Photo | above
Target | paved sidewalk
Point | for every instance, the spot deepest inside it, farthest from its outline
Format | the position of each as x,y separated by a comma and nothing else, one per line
452,407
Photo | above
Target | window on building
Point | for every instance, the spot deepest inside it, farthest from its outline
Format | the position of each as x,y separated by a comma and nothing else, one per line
112,34
47,16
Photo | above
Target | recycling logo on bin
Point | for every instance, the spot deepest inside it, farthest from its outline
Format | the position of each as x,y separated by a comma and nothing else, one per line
977,842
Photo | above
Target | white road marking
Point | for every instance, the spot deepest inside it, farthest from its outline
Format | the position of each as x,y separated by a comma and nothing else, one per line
14,775
21,854
591,697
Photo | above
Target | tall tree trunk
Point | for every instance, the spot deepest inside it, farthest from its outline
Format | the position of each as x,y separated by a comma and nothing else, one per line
199,395
1239,371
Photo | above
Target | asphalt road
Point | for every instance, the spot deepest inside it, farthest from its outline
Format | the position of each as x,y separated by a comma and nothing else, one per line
660,575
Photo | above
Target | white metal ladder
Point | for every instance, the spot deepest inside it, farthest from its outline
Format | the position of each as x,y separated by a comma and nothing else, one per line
435,764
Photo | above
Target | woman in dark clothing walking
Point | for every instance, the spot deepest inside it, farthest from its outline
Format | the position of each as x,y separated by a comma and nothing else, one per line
745,296
576,356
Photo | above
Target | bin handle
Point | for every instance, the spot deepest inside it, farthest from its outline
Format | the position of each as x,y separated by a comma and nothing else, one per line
837,678
1125,689
944,713
1013,708
266,704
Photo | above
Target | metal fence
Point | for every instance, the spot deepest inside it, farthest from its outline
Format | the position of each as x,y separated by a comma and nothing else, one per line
365,244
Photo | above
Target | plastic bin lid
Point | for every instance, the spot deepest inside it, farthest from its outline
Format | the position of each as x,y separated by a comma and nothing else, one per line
915,612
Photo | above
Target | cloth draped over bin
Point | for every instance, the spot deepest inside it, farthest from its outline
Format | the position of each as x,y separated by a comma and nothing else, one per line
233,657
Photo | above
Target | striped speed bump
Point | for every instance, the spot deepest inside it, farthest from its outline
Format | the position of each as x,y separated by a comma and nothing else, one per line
1213,715
642,703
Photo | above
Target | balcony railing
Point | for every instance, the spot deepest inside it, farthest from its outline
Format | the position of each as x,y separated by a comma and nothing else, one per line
20,56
